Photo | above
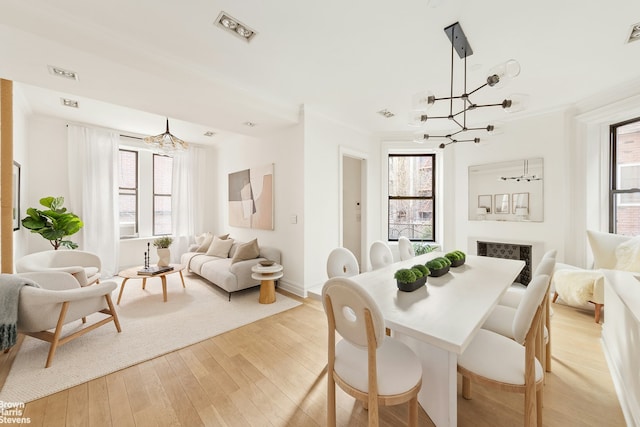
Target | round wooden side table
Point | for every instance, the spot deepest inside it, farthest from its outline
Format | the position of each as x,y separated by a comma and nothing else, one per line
267,276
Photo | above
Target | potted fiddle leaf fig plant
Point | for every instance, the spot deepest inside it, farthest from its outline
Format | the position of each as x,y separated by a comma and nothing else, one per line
53,223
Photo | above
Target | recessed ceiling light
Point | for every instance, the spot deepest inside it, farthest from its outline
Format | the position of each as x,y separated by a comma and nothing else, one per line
249,124
60,72
69,102
635,33
209,133
386,113
234,26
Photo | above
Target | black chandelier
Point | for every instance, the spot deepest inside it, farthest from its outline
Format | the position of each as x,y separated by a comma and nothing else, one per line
498,76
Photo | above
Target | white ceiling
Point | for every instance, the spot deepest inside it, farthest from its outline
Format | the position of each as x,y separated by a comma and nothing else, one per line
343,59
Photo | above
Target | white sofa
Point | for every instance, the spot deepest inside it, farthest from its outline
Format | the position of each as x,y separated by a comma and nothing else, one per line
222,273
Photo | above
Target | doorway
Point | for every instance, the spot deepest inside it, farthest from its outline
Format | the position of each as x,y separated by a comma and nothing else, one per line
353,176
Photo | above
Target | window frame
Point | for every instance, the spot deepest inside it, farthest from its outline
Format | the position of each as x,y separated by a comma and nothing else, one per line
432,198
613,172
135,189
154,194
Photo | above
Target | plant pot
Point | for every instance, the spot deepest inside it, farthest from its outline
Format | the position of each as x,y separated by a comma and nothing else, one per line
164,256
410,287
458,262
439,272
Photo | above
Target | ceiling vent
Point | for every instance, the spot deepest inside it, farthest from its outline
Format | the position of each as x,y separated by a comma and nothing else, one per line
60,72
635,33
232,25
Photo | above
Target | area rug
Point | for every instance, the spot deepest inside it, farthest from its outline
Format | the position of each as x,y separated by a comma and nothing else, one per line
150,328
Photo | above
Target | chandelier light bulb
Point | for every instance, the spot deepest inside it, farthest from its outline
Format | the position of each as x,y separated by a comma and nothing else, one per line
423,100
417,118
502,74
515,103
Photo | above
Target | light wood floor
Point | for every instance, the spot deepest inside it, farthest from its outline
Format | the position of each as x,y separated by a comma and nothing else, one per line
271,373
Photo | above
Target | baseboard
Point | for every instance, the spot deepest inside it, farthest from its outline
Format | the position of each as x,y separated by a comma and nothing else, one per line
291,287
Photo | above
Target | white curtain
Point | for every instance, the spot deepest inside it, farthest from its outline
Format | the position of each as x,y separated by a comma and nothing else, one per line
185,214
93,187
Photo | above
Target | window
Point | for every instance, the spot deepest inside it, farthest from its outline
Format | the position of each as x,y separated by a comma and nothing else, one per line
128,193
624,199
162,173
411,197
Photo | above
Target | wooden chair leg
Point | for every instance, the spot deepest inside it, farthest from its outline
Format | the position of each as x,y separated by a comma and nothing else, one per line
413,411
598,311
57,333
547,321
331,400
113,312
555,296
539,405
466,388
373,411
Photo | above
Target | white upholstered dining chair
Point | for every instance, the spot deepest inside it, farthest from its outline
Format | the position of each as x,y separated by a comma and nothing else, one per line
366,364
500,362
501,318
380,255
342,263
405,248
58,301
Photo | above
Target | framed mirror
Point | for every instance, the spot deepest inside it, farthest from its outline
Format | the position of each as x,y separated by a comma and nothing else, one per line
507,191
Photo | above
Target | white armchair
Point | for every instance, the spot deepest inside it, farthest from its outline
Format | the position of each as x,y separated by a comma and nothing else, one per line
60,300
84,266
605,249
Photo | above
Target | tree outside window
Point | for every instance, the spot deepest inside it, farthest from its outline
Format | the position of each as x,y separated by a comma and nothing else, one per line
411,197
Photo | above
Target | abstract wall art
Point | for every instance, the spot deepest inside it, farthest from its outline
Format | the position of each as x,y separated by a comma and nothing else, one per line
251,198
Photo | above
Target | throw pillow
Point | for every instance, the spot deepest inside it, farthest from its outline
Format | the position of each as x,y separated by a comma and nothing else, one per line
628,255
219,247
249,250
205,242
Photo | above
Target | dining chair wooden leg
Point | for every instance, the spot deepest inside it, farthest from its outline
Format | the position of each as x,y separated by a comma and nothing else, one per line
555,296
547,347
331,400
539,404
413,412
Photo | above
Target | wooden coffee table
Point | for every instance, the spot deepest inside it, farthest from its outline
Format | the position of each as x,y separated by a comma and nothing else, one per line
267,277
132,273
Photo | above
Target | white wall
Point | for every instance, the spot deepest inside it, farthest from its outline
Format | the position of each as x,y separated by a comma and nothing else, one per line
323,139
538,136
285,150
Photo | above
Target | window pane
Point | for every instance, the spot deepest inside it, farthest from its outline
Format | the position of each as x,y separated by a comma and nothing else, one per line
128,193
128,226
627,214
411,218
162,171
411,176
161,215
128,169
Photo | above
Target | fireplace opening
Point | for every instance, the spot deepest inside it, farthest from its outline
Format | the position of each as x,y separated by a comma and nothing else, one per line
509,251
